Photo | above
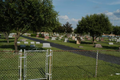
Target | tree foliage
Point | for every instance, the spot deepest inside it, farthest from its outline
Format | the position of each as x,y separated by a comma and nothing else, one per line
67,27
116,30
95,24
24,15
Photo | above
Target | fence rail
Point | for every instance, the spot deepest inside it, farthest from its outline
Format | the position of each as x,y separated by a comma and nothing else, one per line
64,64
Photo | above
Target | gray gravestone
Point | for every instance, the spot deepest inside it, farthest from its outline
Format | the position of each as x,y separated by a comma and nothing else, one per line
46,45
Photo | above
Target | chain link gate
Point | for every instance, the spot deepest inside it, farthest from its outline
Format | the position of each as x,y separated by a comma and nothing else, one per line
35,65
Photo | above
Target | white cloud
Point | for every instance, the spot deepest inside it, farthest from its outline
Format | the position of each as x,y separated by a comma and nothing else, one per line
109,13
65,18
114,2
111,2
114,17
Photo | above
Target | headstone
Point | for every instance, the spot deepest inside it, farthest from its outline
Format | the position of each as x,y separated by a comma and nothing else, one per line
102,39
80,46
32,42
109,39
32,45
78,40
98,46
18,42
118,40
10,36
89,38
37,42
22,46
25,42
60,38
66,40
57,34
37,35
110,43
73,37
46,37
53,38
46,45
23,39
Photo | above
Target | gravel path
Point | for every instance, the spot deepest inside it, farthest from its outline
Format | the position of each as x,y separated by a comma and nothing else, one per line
104,57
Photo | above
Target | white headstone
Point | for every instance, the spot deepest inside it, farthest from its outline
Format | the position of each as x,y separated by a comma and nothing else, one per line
46,45
118,40
53,38
25,42
32,42
75,39
10,36
110,43
37,42
18,42
66,40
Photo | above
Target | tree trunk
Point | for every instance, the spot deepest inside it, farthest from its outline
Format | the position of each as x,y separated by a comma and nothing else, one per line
93,40
15,42
6,36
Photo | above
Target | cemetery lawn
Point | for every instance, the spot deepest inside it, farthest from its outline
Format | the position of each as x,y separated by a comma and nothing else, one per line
79,67
88,45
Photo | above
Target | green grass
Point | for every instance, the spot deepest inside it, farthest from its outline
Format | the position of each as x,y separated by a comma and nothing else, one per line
66,65
88,45
69,66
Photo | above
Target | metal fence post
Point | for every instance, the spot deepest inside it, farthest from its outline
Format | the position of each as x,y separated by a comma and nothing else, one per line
25,64
96,64
50,65
46,65
20,65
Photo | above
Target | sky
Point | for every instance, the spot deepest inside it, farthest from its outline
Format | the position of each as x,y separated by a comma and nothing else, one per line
73,10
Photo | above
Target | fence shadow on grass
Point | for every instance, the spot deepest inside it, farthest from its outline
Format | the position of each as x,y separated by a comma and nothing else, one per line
110,47
7,46
86,42
72,41
42,72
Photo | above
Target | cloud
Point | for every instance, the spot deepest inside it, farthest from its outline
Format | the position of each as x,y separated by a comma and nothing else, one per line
106,2
117,13
114,17
65,18
114,3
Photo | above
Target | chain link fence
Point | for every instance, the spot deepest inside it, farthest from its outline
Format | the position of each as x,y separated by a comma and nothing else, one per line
80,64
66,65
35,64
9,65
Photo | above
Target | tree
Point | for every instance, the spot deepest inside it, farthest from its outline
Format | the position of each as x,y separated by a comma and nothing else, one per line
5,20
31,15
95,24
116,30
67,27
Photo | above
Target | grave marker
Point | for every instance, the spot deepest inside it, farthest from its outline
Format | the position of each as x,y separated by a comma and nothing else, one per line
110,43
25,42
53,38
37,42
32,42
46,45
66,40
